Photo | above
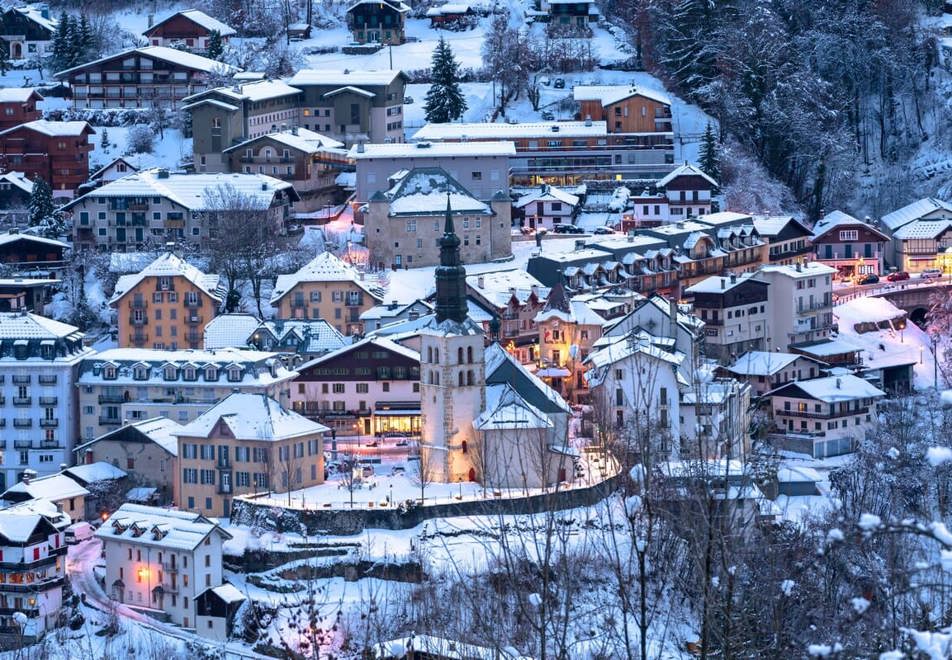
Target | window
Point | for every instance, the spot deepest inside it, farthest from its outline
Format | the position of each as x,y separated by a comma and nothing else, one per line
849,235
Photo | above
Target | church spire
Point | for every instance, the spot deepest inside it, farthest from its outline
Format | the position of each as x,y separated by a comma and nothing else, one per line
450,275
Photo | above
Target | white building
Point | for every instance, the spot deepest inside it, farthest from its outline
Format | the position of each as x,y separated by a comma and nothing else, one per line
60,489
546,207
800,303
39,363
767,370
161,559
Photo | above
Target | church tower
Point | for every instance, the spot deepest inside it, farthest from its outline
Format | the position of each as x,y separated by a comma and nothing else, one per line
452,372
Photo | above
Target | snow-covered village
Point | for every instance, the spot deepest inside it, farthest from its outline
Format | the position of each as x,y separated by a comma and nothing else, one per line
492,330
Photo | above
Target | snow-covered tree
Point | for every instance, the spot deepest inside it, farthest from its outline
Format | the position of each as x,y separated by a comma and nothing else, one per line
41,202
444,100
4,58
215,46
140,140
710,155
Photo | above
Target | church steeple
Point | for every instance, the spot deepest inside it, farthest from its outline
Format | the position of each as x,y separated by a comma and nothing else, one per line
450,275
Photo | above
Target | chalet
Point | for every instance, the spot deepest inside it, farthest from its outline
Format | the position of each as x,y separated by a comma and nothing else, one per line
25,252
190,30
626,109
122,166
55,151
688,192
921,245
789,239
546,207
928,208
302,339
23,294
60,489
18,105
515,297
215,611
853,247
378,21
141,78
570,13
28,32
456,15
768,370
15,192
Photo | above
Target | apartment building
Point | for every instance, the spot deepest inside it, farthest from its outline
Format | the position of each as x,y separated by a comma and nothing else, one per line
800,309
226,116
564,152
735,312
141,78
123,385
55,151
166,305
849,246
715,419
246,443
789,239
482,168
301,339
394,312
32,570
515,298
309,160
570,13
326,288
39,364
151,208
403,226
161,559
825,416
370,388
189,30
28,32
765,370
18,105
352,105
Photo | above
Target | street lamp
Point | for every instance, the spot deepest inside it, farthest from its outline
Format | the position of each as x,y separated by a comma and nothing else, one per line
357,429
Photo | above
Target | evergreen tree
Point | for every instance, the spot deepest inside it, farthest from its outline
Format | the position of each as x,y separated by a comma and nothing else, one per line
41,202
59,59
86,46
4,58
74,45
444,101
215,47
710,154
104,139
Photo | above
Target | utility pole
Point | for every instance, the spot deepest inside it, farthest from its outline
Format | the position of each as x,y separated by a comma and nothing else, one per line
391,55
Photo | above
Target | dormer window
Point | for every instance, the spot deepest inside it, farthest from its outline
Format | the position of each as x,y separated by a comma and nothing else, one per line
109,372
46,350
140,372
189,373
170,372
211,374
234,374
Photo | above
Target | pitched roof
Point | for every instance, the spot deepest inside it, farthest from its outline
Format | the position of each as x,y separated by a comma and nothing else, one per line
426,191
835,219
170,265
432,149
14,325
54,128
159,430
325,267
772,225
396,5
501,367
344,77
718,284
380,342
684,170
301,139
162,528
35,14
18,525
228,330
252,417
831,389
255,90
914,211
506,409
505,131
171,55
19,180
922,229
18,94
54,487
609,94
87,473
237,330
765,363
546,193
199,17
13,235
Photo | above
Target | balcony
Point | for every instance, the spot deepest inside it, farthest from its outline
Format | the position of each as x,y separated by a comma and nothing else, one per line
138,303
109,421
48,400
47,380
193,303
23,444
21,423
194,319
169,567
33,587
138,339
21,379
137,321
112,398
821,415
48,423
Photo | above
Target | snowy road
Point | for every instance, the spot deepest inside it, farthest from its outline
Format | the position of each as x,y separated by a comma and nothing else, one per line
80,567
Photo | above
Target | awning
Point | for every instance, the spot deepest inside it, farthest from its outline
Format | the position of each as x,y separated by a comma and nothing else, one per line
553,372
397,412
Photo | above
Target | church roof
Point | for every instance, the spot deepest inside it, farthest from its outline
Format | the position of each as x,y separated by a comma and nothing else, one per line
506,409
503,368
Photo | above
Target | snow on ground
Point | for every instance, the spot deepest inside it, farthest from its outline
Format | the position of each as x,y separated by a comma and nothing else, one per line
168,152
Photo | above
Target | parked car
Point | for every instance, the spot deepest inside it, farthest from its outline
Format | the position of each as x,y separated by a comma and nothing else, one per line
547,116
603,231
78,532
931,273
373,443
564,228
869,278
898,276
559,83
407,100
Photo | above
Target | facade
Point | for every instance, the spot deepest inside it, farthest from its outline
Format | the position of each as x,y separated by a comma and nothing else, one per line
851,247
515,298
715,420
33,569
216,608
166,305
142,78
55,151
765,370
735,313
800,309
25,252
825,416
309,160
146,450
688,191
370,389
546,207
190,30
301,339
921,245
60,489
570,13
378,22
18,106
15,192
482,169
352,106
402,226
28,32
247,443
39,363
125,385
161,559
153,207
122,166
789,239
565,152
326,288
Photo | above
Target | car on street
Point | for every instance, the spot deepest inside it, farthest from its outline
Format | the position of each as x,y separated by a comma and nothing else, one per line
930,273
565,228
603,231
898,276
869,278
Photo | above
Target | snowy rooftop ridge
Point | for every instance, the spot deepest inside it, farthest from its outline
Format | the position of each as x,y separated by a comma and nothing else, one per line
684,170
201,18
54,488
325,267
505,131
547,193
170,265
301,139
54,128
426,149
256,90
17,94
915,211
609,94
251,417
427,190
832,389
764,363
14,325
159,430
344,77
164,53
164,528
507,410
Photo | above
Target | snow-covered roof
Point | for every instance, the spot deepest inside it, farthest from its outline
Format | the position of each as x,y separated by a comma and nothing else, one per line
141,494
170,265
922,229
372,341
256,90
344,77
35,14
251,417
159,430
449,9
201,18
507,410
13,235
93,472
774,224
833,389
171,55
914,211
500,363
616,349
393,4
14,325
228,593
809,269
835,219
684,170
136,162
432,149
797,473
301,139
764,363
546,193
718,284
17,525
192,191
154,526
499,287
427,190
389,311
505,131
609,94
54,128
19,180
54,488
325,267
17,94
348,89
308,336
227,330
437,647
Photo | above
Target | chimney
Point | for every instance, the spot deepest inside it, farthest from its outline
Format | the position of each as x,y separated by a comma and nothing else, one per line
733,278
392,305
163,173
264,185
360,147
28,475
839,383
723,283
588,120
63,466
799,267
481,282
673,315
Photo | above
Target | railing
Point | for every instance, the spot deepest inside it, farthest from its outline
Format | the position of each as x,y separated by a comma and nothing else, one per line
821,415
138,339
47,423
21,380
193,302
111,398
23,444
136,321
193,319
47,380
139,304
21,423
109,421
48,400
33,587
